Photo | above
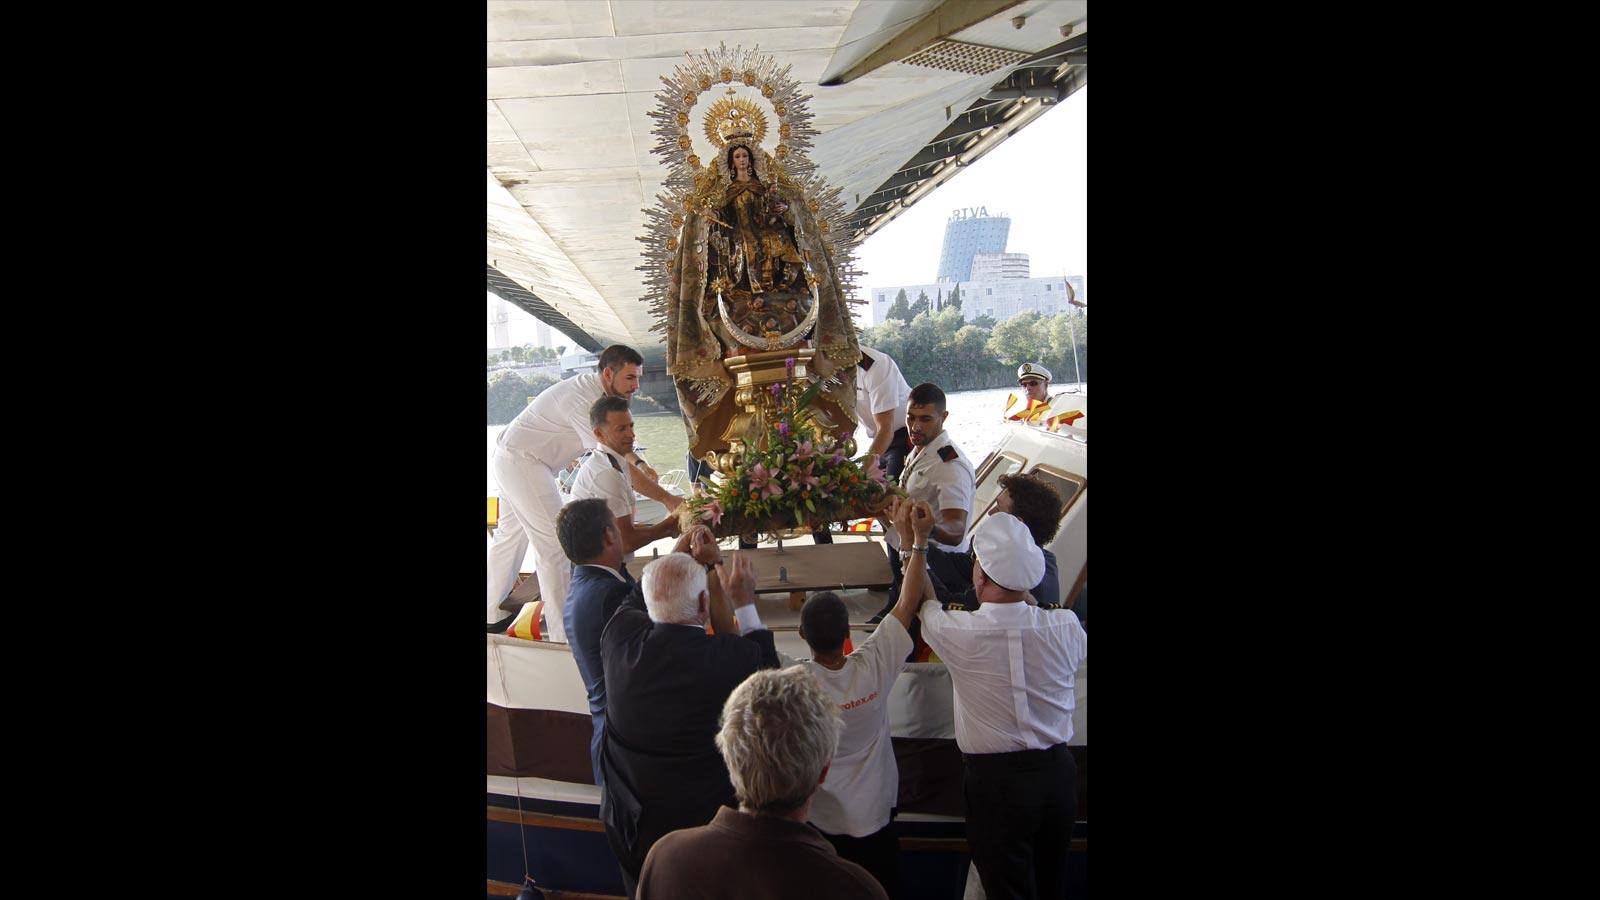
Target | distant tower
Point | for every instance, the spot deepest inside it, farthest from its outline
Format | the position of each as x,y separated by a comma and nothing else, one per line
541,334
970,231
501,322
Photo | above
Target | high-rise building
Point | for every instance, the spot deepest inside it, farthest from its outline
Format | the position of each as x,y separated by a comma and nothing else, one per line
502,325
969,232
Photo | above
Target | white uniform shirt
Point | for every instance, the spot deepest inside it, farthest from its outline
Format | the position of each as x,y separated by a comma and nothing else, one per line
555,428
863,781
606,475
944,485
1012,667
879,388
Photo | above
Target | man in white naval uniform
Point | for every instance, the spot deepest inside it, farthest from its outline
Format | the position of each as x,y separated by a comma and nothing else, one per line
542,439
881,393
607,475
939,474
1034,380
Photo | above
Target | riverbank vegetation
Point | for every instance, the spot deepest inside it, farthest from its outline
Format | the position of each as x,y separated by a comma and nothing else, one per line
939,347
510,393
943,348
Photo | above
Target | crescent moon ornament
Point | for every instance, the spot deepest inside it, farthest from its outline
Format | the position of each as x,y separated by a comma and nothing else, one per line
783,342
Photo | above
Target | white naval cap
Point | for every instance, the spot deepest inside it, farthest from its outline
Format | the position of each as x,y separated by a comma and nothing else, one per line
1032,370
1007,553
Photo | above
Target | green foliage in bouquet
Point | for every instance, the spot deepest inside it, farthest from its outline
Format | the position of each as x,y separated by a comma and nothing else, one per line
802,477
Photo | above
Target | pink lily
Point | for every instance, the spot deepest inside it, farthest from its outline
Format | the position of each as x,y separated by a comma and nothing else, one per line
712,513
764,480
875,473
804,451
806,478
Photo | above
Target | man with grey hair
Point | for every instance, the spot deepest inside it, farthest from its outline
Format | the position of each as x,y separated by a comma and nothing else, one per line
778,735
666,680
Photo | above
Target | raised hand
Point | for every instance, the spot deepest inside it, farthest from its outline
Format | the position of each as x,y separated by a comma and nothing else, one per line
738,577
703,545
901,510
683,545
921,521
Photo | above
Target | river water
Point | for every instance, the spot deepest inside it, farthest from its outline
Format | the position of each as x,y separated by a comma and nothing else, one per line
973,416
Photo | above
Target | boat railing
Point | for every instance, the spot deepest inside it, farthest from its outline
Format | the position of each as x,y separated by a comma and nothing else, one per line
676,481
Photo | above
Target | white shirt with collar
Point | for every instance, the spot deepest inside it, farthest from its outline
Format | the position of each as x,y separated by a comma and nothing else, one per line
1012,667
944,485
606,475
880,388
554,428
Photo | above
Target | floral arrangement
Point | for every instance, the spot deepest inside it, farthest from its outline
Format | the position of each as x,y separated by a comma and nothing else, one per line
802,477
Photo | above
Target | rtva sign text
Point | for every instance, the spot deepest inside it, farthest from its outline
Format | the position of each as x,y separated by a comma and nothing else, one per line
969,212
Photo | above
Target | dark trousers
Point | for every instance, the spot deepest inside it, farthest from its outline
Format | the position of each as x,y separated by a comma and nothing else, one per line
878,853
627,860
894,455
1020,810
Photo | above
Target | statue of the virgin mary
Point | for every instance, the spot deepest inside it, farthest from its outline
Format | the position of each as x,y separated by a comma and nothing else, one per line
748,265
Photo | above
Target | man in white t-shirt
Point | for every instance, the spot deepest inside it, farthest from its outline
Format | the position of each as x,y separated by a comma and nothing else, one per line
881,394
540,441
608,476
854,807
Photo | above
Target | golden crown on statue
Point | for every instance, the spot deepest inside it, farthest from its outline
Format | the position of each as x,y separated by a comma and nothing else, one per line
735,119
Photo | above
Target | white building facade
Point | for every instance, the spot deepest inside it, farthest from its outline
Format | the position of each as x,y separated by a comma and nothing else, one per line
999,288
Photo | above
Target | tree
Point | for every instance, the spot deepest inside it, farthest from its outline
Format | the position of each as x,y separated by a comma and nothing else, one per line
968,359
505,355
561,351
921,306
899,309
519,354
1066,329
1019,339
954,299
987,323
509,394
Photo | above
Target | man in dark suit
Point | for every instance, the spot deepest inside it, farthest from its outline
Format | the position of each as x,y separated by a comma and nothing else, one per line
601,584
666,680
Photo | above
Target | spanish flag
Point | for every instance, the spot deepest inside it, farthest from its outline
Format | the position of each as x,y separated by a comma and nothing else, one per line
526,625
1032,411
1067,418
